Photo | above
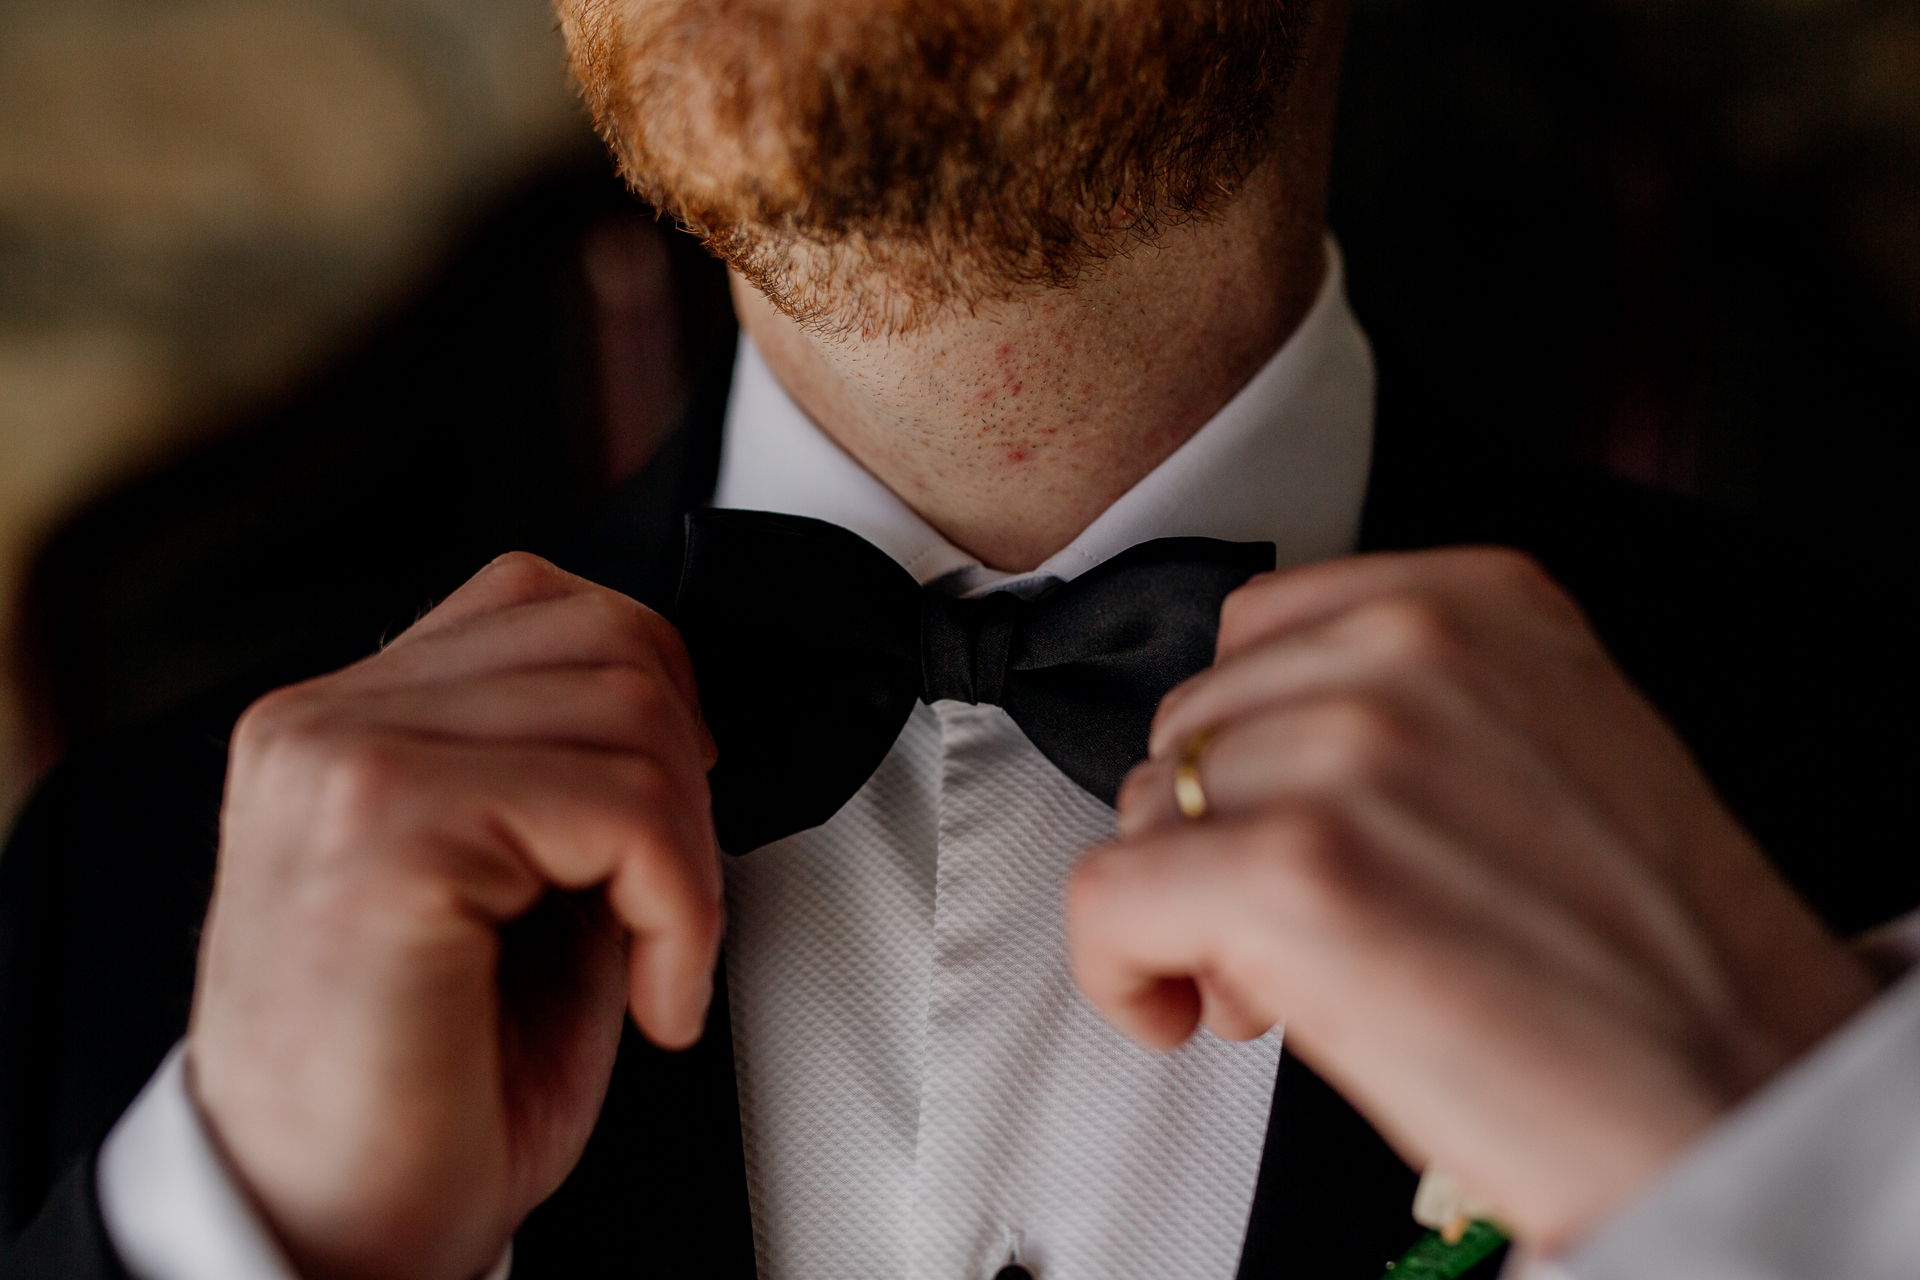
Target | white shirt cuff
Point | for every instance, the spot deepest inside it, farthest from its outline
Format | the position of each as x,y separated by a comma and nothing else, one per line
170,1205
1817,1177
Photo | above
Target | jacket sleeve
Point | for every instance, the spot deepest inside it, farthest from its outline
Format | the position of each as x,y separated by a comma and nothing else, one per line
50,1224
68,1241
103,886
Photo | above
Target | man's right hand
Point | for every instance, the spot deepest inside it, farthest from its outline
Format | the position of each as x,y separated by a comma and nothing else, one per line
444,873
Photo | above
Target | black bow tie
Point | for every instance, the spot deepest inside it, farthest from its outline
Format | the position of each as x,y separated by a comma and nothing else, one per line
811,646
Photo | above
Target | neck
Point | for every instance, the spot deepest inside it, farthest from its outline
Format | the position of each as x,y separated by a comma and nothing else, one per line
1011,427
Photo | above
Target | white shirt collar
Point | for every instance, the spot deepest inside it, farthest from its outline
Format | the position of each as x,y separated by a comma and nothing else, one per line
1285,461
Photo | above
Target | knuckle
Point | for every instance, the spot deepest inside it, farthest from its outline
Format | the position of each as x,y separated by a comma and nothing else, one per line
1240,603
650,810
1367,741
1413,632
1090,887
622,621
644,783
1512,567
282,747
1241,612
358,786
522,577
1137,788
258,726
1515,573
272,717
634,695
1309,863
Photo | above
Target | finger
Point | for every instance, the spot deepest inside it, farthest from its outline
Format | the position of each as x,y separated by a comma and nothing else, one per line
1305,914
593,627
1279,602
586,626
661,866
1149,923
523,612
1383,642
1441,762
516,578
1499,651
628,709
573,816
1160,1012
1449,1009
415,823
1321,749
670,983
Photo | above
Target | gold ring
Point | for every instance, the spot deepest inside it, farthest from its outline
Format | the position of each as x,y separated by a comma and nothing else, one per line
1187,791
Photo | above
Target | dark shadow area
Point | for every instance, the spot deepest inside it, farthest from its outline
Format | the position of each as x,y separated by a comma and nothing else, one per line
476,418
1559,208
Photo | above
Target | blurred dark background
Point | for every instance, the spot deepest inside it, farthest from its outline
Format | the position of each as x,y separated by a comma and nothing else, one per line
307,307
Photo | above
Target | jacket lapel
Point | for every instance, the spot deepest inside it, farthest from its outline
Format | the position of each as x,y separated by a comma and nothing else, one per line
662,1187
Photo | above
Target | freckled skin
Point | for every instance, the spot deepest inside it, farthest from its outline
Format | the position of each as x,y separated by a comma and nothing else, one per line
1010,428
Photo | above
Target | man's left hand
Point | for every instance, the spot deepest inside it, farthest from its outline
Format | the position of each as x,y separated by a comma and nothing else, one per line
1476,874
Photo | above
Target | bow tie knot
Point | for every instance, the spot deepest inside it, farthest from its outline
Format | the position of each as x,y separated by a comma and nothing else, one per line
811,646
964,645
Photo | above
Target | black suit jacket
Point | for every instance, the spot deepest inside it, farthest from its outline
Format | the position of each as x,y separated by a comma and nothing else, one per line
105,881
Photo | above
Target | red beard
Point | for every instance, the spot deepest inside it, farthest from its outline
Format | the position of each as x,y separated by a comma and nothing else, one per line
962,149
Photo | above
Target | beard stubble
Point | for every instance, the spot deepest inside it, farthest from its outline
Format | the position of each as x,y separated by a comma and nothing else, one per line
870,164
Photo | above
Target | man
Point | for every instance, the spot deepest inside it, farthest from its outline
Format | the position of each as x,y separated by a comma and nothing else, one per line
1036,302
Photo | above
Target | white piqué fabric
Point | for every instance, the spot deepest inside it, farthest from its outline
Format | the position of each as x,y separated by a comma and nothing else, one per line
1108,1159
921,1083
829,946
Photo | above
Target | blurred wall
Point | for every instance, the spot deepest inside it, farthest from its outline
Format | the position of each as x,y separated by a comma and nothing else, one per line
197,196
1683,233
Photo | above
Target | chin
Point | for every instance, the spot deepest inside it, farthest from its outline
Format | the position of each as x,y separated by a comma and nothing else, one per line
879,161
